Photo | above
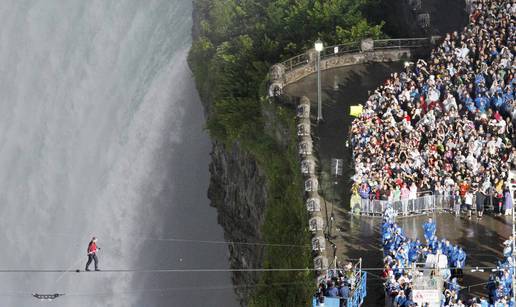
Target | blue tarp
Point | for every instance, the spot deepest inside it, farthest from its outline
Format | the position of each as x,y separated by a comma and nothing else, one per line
328,302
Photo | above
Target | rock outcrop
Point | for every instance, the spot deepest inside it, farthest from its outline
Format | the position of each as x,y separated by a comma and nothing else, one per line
238,191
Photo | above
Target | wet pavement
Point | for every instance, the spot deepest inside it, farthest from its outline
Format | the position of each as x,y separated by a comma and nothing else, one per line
481,239
358,237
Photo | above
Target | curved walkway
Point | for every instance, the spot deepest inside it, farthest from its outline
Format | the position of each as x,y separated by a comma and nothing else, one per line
365,51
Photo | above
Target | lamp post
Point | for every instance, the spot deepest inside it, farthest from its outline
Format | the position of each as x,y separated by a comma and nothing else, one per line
319,47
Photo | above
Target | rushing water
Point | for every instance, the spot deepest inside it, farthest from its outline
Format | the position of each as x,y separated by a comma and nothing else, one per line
101,134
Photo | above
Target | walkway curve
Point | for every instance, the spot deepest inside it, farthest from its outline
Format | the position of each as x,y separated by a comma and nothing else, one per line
365,51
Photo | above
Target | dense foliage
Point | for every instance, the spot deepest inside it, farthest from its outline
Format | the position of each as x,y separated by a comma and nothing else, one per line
235,43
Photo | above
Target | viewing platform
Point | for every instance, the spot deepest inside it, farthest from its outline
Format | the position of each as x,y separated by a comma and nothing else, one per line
365,51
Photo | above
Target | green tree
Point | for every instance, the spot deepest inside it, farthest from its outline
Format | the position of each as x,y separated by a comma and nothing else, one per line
235,43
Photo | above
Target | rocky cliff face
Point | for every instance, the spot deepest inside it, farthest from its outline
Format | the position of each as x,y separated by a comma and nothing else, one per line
238,191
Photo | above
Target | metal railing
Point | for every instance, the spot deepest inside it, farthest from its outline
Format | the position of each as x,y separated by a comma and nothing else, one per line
404,207
353,47
357,282
401,43
296,61
360,291
336,50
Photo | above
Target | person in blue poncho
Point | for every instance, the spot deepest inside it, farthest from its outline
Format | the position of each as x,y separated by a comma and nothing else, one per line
481,102
483,302
413,253
453,285
499,293
388,242
447,248
470,105
479,78
508,95
433,244
460,260
497,101
401,299
429,229
506,281
386,233
402,257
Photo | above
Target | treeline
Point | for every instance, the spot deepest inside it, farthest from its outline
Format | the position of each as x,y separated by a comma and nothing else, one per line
238,40
235,43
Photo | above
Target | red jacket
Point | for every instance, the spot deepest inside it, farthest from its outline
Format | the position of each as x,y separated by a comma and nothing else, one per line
92,248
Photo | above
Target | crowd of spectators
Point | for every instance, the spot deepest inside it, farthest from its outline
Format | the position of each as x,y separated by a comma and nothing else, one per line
440,258
444,260
445,125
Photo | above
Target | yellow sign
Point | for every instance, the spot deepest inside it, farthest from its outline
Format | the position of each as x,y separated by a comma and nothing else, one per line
356,111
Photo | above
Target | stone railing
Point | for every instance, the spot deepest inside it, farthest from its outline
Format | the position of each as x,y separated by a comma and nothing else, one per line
368,50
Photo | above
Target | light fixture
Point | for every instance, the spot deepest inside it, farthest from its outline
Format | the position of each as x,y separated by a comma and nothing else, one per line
319,46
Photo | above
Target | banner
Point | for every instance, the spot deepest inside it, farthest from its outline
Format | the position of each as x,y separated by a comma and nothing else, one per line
432,297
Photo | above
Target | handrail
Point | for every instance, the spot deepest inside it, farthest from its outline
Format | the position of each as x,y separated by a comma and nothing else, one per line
340,49
296,61
353,47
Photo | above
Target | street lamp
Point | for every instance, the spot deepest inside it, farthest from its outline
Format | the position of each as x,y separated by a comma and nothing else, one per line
319,46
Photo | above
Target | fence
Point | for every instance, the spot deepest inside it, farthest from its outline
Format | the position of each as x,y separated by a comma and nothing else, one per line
420,205
401,43
340,49
296,61
354,47
360,291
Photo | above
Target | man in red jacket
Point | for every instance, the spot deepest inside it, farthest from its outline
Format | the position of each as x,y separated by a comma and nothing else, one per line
92,254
